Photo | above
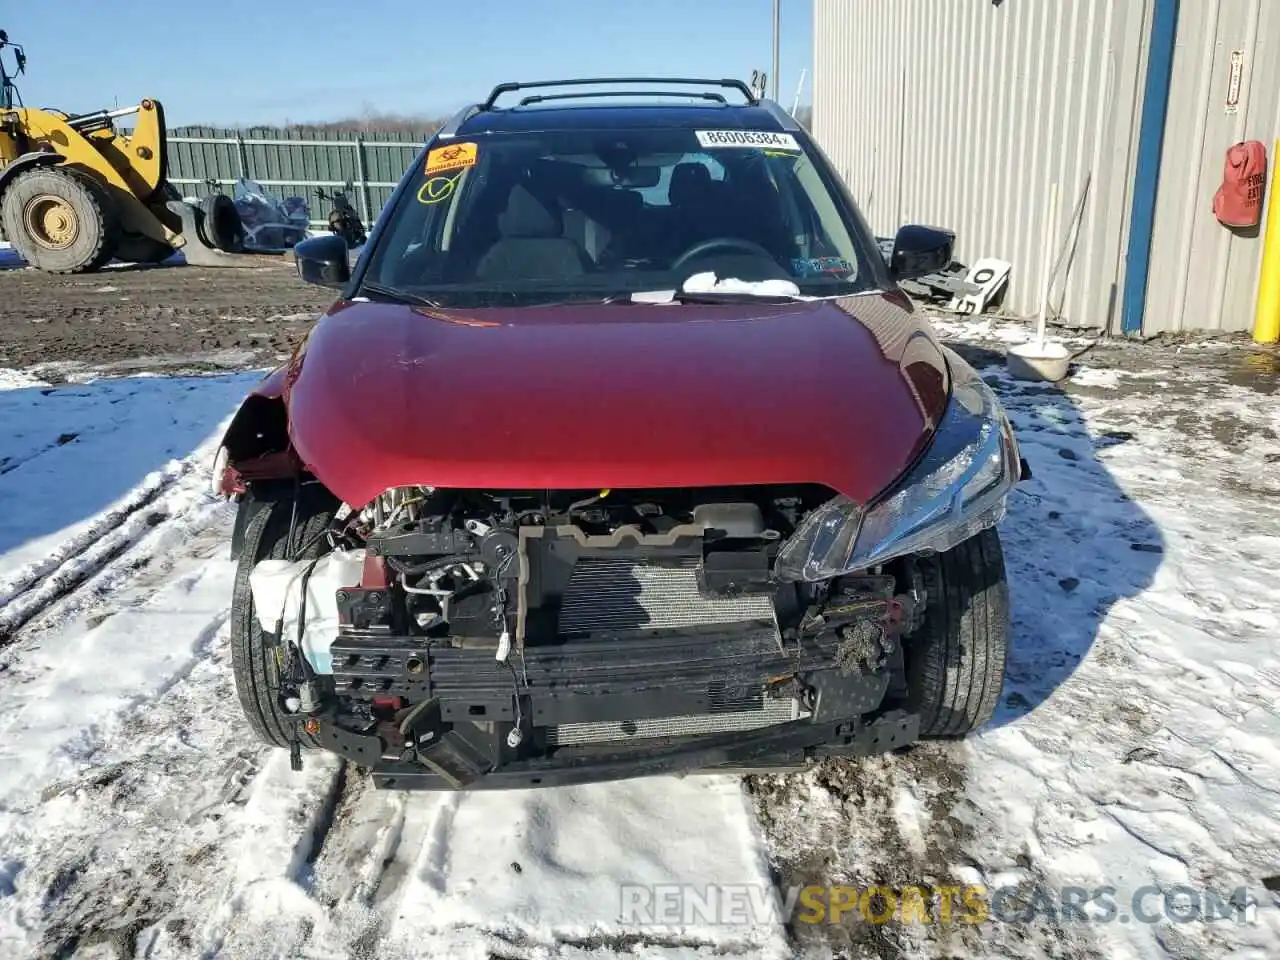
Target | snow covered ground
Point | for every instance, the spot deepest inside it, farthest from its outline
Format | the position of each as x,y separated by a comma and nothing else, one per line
1137,746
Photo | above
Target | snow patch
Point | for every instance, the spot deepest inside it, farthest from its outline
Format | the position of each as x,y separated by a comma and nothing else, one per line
1103,378
707,283
82,458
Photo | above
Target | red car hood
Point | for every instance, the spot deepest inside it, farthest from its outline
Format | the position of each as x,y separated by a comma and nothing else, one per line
840,393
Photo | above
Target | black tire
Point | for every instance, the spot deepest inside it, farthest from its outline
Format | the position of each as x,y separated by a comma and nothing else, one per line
60,222
135,248
956,659
253,650
221,225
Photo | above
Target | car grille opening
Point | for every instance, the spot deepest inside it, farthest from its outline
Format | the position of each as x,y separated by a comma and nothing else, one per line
625,593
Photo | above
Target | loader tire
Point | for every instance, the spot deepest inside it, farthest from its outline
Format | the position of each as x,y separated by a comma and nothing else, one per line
956,659
253,650
59,221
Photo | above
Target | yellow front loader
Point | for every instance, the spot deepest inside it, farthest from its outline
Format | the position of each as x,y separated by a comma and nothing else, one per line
76,193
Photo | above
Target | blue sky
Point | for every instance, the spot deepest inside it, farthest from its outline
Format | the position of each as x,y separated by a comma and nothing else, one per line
268,61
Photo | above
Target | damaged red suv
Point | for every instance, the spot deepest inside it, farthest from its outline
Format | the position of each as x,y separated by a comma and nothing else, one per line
620,453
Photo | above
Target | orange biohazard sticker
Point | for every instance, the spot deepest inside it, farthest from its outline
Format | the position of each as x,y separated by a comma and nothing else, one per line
456,156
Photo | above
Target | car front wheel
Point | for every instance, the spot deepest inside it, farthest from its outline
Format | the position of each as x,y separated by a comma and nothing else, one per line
256,654
955,659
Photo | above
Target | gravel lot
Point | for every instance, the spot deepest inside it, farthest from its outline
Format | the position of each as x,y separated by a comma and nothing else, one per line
232,316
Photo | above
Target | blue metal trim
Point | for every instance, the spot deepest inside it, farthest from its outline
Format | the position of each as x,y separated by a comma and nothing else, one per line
1155,105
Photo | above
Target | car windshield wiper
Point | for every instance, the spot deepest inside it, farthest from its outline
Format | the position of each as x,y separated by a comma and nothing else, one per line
395,294
733,296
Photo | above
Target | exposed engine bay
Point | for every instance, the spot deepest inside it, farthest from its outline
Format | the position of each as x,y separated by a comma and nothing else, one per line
483,567
454,632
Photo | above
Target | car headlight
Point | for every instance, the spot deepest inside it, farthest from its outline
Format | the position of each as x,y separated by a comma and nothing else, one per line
957,489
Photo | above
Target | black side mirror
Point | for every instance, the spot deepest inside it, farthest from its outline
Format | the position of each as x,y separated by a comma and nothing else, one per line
918,251
323,260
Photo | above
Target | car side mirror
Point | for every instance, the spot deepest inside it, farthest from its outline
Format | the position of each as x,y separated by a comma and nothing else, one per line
323,260
918,251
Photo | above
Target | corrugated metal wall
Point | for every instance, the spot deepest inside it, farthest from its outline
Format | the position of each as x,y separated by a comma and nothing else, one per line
374,162
961,113
1202,274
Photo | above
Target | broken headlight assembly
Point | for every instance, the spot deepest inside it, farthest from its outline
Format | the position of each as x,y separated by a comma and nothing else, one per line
955,490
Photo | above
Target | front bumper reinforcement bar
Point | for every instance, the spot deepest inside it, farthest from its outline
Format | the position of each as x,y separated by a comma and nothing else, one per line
782,744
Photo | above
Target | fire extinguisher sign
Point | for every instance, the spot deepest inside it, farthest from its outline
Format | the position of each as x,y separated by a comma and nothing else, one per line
1234,81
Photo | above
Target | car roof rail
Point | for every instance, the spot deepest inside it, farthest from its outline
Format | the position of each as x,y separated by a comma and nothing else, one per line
540,97
450,129
511,86
785,120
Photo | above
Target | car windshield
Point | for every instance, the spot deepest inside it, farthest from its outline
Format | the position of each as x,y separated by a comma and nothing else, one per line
518,219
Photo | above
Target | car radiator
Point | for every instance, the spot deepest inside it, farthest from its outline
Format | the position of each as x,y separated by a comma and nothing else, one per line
624,593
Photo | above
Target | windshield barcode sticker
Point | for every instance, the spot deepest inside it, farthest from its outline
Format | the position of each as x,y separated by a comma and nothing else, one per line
747,138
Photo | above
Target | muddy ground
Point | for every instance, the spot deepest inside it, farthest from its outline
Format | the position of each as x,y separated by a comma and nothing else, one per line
246,315
155,316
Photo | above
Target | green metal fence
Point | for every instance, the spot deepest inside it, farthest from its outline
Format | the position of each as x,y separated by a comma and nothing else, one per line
287,163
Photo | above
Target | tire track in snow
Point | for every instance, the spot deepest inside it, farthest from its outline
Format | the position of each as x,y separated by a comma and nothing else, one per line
39,585
304,872
432,866
381,842
179,836
95,859
88,856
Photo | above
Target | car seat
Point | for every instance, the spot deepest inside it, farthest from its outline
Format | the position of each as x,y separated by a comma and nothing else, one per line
694,205
531,245
690,187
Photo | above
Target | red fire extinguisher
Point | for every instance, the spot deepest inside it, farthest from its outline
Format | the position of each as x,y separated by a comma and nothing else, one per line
1238,202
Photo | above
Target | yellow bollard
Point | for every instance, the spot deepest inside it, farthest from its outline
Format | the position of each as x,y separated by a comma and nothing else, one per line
1266,316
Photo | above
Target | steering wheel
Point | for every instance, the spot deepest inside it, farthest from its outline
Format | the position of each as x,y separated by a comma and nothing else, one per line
714,243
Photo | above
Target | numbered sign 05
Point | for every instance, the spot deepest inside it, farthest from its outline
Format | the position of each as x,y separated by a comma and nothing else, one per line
989,275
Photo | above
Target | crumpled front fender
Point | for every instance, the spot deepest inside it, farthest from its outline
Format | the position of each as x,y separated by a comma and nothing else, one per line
256,443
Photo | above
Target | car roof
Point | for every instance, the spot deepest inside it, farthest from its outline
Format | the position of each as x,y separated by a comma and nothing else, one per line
583,105
618,116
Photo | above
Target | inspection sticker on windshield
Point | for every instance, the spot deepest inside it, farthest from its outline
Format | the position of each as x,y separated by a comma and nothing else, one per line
456,156
747,138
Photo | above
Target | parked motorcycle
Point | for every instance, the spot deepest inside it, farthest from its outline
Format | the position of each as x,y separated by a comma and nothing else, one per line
343,218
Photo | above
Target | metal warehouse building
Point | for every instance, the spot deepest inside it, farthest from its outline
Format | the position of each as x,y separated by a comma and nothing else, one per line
962,113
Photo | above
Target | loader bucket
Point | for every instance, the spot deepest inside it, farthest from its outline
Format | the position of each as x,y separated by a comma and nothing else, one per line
210,241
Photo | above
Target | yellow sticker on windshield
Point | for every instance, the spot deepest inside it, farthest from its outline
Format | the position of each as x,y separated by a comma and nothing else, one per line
456,156
438,189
